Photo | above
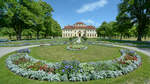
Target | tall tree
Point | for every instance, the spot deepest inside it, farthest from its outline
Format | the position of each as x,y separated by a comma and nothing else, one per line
106,29
28,33
41,15
8,31
17,16
47,19
139,11
123,24
28,14
101,30
56,29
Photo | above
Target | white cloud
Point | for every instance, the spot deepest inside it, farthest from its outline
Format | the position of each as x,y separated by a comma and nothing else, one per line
90,22
92,6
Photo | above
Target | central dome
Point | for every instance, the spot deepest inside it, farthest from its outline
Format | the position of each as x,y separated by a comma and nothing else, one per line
79,23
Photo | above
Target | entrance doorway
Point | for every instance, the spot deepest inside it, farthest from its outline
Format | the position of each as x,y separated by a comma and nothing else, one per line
79,33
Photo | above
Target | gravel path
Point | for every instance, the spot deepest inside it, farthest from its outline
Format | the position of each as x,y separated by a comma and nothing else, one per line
146,51
6,50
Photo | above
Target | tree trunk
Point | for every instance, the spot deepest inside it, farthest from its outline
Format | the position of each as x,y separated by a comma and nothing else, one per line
109,36
18,36
37,34
121,37
141,27
18,31
145,37
45,35
139,37
104,36
30,36
140,31
10,36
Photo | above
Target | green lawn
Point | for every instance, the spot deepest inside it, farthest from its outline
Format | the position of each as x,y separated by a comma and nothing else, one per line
42,41
35,41
139,44
139,76
59,53
127,41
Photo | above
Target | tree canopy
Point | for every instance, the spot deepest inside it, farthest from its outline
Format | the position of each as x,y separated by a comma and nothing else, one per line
133,19
139,12
35,15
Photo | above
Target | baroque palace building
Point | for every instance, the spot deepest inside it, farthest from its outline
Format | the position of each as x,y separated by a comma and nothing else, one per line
79,29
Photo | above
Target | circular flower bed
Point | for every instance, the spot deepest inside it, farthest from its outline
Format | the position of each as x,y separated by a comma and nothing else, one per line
76,47
29,67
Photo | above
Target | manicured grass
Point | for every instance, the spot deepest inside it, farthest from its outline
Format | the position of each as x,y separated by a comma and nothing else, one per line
59,53
139,76
42,41
35,41
126,41
92,39
134,39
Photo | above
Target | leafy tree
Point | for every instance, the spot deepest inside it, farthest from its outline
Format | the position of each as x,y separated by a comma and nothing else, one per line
48,26
101,29
47,19
28,33
106,29
133,31
56,29
24,16
43,17
17,16
123,24
8,31
110,29
139,11
2,14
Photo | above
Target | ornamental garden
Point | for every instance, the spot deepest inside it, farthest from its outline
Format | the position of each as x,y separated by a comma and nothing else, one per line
73,60
34,49
23,64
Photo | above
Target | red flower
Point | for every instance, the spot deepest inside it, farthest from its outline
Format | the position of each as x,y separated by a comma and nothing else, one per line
30,67
135,58
122,62
49,72
41,68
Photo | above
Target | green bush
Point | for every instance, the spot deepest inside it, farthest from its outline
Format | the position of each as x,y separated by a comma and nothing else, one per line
72,38
84,38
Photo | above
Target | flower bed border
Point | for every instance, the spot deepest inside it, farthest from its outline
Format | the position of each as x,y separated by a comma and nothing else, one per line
41,75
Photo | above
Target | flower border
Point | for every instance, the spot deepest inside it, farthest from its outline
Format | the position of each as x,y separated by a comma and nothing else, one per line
41,75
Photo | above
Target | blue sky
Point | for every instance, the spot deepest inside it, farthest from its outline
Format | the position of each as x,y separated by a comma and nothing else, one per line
91,12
